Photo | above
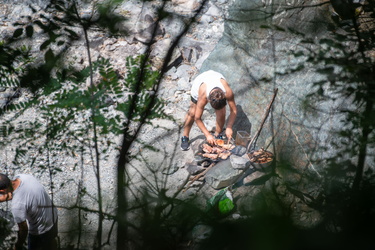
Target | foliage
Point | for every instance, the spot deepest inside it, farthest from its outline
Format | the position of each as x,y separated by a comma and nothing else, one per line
56,25
344,59
68,120
5,228
70,113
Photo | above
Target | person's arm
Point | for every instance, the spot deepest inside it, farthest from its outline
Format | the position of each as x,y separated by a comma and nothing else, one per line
232,107
198,119
22,234
202,101
5,195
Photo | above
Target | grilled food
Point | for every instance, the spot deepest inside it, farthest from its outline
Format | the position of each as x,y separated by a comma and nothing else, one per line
219,142
260,156
224,155
218,151
228,146
211,156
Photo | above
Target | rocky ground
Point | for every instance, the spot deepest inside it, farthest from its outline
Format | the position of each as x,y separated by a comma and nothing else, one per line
194,48
167,168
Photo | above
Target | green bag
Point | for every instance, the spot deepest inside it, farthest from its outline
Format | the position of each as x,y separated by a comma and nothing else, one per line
221,202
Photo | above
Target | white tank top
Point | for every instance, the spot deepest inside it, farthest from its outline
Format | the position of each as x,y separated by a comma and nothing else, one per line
212,80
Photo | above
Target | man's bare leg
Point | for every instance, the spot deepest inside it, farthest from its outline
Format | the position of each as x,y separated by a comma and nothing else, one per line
189,119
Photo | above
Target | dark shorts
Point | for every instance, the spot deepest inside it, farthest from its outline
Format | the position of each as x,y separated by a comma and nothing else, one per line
193,100
44,241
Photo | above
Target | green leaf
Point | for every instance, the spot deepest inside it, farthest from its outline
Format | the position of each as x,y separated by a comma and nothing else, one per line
44,45
327,70
49,56
298,53
17,24
279,28
41,25
71,33
29,31
18,32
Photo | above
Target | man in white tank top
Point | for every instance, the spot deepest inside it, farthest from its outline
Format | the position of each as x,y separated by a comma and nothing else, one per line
210,87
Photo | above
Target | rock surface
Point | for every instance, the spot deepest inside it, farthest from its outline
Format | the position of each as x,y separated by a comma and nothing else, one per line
222,175
226,40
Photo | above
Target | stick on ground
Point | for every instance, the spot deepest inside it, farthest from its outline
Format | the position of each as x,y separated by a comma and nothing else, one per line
198,176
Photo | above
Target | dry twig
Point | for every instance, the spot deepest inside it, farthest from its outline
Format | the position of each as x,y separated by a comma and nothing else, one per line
198,176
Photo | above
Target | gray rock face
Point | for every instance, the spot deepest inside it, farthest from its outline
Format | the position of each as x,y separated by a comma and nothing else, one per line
255,61
252,177
249,57
201,232
194,169
222,175
239,162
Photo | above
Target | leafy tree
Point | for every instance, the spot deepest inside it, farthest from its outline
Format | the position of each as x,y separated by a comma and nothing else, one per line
345,60
63,100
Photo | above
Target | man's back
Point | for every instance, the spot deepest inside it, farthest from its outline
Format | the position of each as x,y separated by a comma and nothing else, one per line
31,202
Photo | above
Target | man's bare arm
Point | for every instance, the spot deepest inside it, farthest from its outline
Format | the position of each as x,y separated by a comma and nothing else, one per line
232,106
198,117
22,234
202,102
233,110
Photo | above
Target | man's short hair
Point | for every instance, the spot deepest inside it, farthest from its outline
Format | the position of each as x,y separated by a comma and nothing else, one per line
5,182
217,98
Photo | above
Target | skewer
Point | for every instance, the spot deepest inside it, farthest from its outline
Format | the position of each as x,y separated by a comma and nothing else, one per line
255,138
198,176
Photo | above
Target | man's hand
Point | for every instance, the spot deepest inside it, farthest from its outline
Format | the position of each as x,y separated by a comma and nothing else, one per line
229,133
210,139
5,195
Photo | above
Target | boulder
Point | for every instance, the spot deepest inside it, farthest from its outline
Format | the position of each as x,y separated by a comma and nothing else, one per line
239,150
239,162
195,145
246,50
194,168
252,177
201,232
222,175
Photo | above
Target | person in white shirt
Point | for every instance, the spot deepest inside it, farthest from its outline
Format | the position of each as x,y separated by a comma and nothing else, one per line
32,210
210,87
